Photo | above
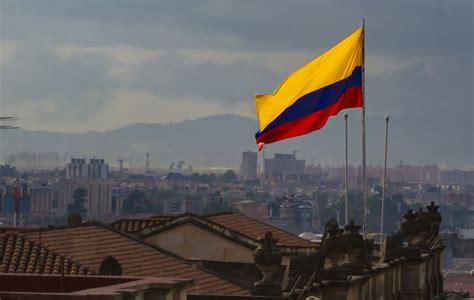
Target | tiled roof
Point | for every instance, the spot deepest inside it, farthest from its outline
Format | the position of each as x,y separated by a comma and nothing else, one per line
254,229
21,255
133,225
92,242
459,282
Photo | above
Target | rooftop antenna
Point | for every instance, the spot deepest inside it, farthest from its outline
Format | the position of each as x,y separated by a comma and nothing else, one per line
294,152
121,160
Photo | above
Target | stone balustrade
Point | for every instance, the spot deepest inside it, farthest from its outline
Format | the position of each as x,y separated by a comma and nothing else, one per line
407,265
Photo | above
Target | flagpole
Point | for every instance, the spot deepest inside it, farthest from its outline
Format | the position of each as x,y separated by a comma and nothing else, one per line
364,175
346,204
384,179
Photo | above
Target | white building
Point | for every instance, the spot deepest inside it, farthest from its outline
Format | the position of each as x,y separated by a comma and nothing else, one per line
98,198
95,169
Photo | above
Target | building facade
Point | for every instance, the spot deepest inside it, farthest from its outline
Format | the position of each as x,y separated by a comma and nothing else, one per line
41,199
98,199
249,165
95,169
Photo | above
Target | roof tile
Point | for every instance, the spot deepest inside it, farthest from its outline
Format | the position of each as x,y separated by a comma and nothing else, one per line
133,225
255,229
91,242
18,254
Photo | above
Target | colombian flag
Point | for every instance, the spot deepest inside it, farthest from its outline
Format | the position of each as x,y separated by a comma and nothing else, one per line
307,98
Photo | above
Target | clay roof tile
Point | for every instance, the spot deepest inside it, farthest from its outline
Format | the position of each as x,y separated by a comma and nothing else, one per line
255,229
90,243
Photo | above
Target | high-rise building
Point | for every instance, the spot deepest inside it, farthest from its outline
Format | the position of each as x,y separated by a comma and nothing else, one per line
41,199
284,165
249,165
98,198
95,169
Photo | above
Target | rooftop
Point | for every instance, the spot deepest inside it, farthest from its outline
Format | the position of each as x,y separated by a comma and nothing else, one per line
235,222
254,229
460,282
19,254
133,225
28,286
89,243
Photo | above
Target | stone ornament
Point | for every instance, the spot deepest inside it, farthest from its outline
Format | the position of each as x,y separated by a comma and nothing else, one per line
267,258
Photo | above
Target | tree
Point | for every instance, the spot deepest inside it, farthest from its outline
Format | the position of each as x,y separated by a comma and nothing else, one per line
216,207
79,199
180,165
378,189
137,203
229,176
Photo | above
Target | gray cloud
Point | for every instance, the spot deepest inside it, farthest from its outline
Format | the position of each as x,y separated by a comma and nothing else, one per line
36,71
175,76
401,26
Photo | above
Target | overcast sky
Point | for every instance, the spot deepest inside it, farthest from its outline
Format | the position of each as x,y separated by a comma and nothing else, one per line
97,65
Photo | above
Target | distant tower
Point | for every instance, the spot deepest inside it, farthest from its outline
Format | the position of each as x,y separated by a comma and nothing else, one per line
120,160
147,162
130,163
401,170
249,165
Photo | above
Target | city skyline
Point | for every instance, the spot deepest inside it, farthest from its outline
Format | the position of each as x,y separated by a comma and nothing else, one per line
149,156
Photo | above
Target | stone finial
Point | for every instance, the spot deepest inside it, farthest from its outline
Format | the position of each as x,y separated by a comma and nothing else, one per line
410,227
74,219
267,258
354,247
334,243
110,266
330,225
434,216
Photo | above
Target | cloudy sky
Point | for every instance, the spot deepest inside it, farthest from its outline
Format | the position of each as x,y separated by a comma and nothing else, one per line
95,65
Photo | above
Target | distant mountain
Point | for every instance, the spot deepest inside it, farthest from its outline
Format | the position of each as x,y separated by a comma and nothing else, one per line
219,140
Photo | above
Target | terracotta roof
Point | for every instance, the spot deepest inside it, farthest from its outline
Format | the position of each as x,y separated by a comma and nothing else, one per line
91,242
459,282
21,255
254,229
133,225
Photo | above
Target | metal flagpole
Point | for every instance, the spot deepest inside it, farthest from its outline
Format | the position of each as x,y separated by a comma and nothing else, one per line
364,175
346,206
384,179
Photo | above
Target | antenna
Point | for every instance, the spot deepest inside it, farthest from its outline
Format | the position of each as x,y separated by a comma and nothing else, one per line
121,160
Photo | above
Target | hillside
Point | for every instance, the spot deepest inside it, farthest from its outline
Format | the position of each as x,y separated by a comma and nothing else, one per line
219,140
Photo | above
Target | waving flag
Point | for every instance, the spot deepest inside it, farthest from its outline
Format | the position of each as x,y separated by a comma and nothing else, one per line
307,98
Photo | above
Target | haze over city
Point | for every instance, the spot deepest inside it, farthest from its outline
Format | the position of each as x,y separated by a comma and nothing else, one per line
95,66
